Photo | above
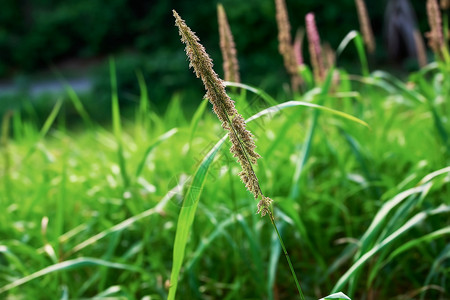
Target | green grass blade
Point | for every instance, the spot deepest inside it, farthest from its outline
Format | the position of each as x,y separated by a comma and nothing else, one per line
359,45
378,221
5,151
149,149
378,224
117,127
51,119
303,157
269,99
128,222
79,107
434,174
339,295
196,118
68,265
416,242
417,219
307,75
207,241
276,106
399,85
359,155
144,106
187,214
279,107
275,251
438,266
45,128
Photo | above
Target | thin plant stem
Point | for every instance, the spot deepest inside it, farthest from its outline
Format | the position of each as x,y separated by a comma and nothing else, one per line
272,220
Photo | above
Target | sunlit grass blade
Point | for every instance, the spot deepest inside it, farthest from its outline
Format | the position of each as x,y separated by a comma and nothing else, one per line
303,157
45,128
399,85
359,155
339,295
117,127
307,75
207,241
416,96
187,214
144,103
115,290
195,119
79,107
174,114
269,99
426,239
149,149
289,207
378,224
128,222
359,45
68,265
435,174
279,107
4,148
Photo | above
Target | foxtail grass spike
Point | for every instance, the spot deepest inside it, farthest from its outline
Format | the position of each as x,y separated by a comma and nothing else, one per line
228,48
243,146
285,44
435,36
420,49
365,26
315,50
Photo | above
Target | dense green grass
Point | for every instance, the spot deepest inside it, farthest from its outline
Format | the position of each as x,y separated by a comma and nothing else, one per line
93,211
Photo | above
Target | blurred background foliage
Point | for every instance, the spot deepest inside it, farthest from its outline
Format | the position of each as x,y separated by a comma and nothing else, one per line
50,35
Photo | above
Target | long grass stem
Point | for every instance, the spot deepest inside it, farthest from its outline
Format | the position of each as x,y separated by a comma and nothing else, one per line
297,283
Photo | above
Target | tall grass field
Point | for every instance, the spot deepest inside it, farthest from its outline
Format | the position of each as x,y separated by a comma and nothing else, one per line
151,206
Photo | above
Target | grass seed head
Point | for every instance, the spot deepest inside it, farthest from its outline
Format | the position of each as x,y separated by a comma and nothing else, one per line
298,43
365,26
435,36
228,48
243,145
315,50
285,43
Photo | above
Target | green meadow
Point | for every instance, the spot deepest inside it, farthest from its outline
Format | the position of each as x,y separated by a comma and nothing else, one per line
358,166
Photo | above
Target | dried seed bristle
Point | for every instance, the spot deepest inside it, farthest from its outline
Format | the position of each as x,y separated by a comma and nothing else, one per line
228,48
445,4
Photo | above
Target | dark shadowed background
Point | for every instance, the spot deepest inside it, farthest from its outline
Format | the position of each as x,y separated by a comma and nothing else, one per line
42,41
